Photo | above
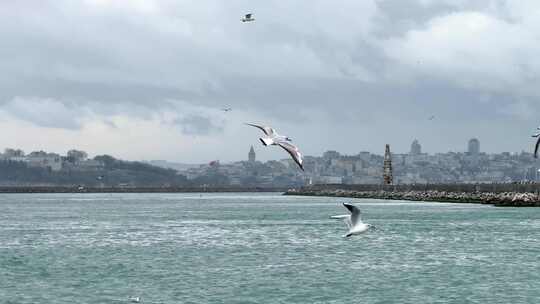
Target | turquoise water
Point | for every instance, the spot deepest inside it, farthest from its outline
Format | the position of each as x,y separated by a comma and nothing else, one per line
262,248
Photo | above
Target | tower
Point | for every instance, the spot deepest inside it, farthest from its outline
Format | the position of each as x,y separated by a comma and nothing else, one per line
474,146
251,155
387,169
416,148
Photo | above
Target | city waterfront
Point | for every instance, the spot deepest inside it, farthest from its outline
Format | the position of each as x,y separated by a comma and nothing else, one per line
262,248
40,168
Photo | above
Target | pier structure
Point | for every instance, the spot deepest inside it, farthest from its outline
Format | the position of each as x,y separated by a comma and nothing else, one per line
388,178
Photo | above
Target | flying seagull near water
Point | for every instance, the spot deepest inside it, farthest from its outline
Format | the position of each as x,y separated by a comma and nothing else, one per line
248,18
273,138
353,220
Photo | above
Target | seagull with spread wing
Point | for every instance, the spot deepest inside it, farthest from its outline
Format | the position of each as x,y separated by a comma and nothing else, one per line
248,18
353,220
273,138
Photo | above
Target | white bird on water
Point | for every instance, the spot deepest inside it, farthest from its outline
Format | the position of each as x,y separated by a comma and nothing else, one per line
273,138
353,220
135,299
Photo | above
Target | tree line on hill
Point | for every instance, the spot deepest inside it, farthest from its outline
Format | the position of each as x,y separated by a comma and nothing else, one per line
114,172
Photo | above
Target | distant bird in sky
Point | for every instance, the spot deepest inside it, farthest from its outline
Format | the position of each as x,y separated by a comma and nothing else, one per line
353,220
226,109
248,18
432,117
273,138
537,136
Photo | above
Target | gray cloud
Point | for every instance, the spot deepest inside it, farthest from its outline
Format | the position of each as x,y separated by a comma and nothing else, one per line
354,68
44,112
195,124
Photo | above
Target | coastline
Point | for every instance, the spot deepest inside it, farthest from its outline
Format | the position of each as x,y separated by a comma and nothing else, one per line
76,189
499,199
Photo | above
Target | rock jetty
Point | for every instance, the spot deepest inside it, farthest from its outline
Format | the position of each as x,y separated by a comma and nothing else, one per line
502,199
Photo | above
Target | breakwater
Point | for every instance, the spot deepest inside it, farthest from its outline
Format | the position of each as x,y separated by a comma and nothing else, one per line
502,195
81,189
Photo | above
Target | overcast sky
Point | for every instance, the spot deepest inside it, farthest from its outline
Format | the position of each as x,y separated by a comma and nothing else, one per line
146,79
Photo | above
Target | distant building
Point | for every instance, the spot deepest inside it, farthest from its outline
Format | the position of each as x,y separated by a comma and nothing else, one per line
251,155
388,178
331,154
9,153
76,156
41,159
474,146
416,148
90,165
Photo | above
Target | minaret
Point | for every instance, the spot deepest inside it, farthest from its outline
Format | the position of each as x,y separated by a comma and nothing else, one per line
251,155
387,169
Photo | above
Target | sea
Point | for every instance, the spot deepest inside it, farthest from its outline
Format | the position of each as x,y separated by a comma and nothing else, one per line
262,248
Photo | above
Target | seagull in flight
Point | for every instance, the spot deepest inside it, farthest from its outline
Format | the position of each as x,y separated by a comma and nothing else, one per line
353,220
248,18
432,117
273,138
226,109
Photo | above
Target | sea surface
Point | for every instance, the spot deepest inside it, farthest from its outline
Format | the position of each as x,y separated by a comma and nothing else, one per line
262,248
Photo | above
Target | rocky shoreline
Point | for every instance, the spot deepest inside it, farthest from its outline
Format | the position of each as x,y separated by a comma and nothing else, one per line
503,199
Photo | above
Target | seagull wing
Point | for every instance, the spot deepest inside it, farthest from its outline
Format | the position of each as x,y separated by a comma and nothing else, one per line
294,152
355,213
536,148
248,16
267,130
346,219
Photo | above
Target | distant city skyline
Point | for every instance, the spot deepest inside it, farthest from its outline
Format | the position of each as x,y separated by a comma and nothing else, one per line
415,147
331,167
